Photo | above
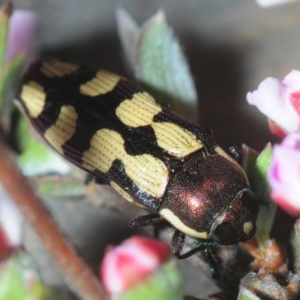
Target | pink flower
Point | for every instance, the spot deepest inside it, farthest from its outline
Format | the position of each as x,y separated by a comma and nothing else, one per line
131,262
284,174
22,35
280,102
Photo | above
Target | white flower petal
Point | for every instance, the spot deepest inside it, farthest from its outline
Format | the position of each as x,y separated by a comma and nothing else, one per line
292,80
273,98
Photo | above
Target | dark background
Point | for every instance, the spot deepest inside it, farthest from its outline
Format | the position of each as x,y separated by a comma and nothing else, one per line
231,45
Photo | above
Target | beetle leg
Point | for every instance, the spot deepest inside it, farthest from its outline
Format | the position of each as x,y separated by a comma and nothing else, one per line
177,242
191,252
177,245
145,220
89,178
214,263
236,153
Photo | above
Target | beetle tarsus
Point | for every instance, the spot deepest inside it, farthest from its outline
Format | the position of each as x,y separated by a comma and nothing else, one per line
202,246
214,262
191,252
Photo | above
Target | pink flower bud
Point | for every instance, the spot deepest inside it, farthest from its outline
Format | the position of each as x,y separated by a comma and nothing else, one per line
129,263
284,174
22,35
280,102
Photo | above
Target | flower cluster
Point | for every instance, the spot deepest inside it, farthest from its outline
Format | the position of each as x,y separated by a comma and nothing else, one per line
280,102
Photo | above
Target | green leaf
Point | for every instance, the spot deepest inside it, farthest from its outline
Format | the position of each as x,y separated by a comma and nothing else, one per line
257,168
37,159
245,294
55,176
162,63
10,74
61,186
41,163
19,280
155,56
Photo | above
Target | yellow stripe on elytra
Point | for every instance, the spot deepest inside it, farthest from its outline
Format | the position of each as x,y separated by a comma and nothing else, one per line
146,171
177,223
63,129
103,83
140,111
176,140
55,68
34,97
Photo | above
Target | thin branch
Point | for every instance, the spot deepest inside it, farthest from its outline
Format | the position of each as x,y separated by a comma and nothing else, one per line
76,272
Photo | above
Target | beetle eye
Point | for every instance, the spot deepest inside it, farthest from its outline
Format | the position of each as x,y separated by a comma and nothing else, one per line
250,202
224,234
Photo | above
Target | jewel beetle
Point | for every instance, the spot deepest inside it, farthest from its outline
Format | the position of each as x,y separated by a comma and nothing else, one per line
117,132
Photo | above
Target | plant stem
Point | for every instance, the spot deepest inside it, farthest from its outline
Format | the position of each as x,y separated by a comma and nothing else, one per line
76,272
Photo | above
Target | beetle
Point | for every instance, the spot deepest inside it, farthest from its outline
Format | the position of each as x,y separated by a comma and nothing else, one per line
114,130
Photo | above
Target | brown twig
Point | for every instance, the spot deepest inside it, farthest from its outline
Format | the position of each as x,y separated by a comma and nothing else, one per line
77,273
